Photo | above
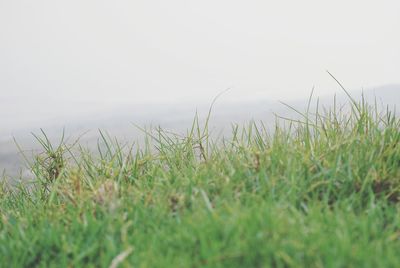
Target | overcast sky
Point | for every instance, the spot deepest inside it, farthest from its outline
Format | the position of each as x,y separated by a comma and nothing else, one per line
166,50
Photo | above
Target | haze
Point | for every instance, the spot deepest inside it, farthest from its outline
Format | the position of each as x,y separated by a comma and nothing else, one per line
55,54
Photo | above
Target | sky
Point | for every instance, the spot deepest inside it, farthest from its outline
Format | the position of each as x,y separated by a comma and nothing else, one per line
57,52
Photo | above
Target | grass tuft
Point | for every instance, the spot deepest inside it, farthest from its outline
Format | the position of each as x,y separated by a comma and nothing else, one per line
319,191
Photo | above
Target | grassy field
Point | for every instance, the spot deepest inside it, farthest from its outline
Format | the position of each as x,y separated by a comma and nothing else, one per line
322,191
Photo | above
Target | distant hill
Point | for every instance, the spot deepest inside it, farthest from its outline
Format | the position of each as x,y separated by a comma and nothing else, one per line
386,95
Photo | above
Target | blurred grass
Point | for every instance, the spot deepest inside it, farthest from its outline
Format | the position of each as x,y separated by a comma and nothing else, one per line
319,191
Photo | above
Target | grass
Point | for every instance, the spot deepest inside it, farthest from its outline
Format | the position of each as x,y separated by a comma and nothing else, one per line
321,191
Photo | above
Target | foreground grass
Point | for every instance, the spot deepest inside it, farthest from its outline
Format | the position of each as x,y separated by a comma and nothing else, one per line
323,191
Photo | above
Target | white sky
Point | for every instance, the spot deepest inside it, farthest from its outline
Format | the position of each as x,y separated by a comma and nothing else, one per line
165,50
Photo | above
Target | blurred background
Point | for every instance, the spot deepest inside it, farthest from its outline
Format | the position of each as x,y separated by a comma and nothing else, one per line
89,65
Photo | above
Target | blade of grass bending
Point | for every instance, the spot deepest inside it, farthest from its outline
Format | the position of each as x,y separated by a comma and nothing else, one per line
345,91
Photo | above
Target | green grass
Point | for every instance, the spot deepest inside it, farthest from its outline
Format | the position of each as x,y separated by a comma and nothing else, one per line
322,191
